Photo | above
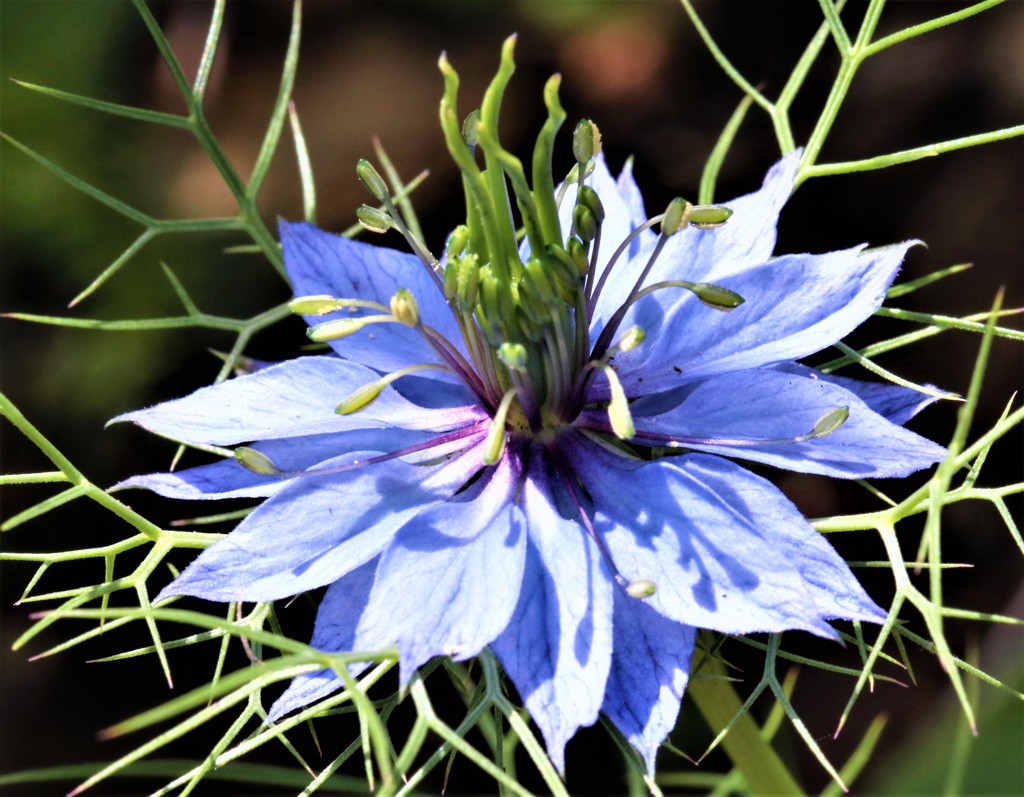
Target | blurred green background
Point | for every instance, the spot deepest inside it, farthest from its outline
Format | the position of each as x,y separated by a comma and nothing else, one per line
638,69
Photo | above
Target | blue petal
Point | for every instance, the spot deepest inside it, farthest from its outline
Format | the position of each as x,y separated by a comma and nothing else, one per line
295,398
319,528
228,479
893,402
449,580
724,548
557,647
322,263
650,670
794,305
334,632
729,412
705,255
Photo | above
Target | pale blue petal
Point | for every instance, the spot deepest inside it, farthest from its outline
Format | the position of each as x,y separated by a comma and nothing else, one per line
733,411
837,593
322,263
319,528
634,201
896,403
650,670
794,306
557,647
334,632
449,580
228,479
434,394
295,398
716,562
746,240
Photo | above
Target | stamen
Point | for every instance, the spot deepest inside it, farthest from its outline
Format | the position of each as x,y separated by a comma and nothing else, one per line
403,307
619,415
374,219
494,445
251,459
256,461
714,296
622,247
827,424
369,392
323,304
343,327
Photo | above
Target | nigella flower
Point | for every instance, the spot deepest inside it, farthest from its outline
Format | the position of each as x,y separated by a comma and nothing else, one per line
533,446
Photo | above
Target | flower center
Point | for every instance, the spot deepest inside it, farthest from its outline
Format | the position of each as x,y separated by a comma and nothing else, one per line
523,295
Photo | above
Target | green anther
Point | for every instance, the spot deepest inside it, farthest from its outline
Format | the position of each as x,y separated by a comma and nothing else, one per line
577,252
374,219
343,327
716,296
619,415
314,305
583,223
451,278
830,422
495,298
469,126
588,196
707,217
371,180
403,307
640,588
586,141
369,392
458,241
256,462
677,216
632,338
468,282
530,320
494,445
361,398
537,279
513,355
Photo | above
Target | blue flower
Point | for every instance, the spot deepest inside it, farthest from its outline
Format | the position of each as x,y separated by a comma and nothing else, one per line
534,447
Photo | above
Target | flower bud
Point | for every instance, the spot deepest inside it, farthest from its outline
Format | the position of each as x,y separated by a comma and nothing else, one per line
403,307
371,180
707,217
374,219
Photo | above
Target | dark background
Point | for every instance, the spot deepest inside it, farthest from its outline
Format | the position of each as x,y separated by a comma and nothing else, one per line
638,69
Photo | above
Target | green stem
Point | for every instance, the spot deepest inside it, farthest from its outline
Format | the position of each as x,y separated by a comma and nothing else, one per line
719,704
